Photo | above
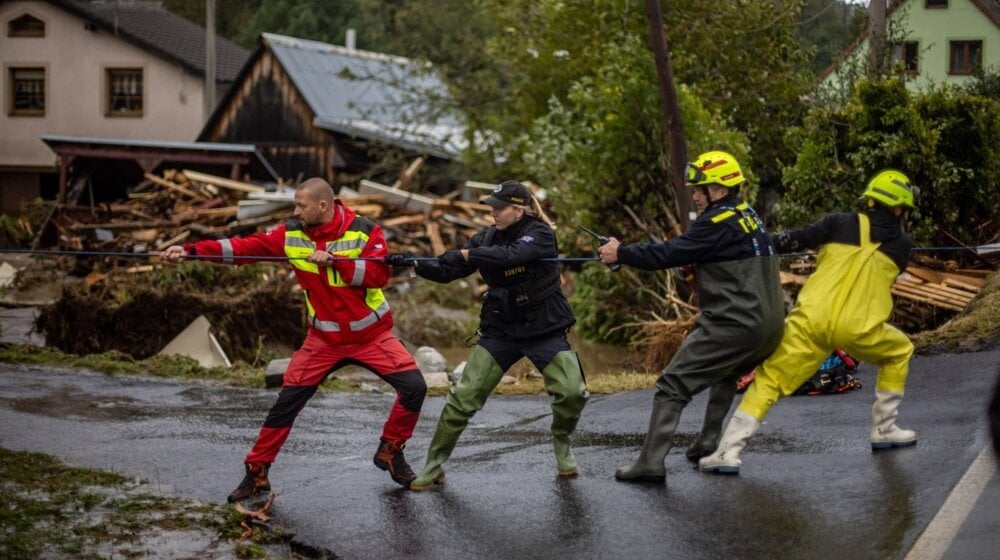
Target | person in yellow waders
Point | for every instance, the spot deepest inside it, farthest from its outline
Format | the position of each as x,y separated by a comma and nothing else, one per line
844,304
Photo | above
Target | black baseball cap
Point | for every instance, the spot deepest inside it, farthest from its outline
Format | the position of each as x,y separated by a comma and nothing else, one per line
507,193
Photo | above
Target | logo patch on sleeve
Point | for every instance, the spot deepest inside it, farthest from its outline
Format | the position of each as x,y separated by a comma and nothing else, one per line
527,239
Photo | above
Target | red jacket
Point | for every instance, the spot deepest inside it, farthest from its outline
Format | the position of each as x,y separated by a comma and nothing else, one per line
345,300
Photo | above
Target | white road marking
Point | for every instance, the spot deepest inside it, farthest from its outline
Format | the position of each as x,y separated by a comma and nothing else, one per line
937,537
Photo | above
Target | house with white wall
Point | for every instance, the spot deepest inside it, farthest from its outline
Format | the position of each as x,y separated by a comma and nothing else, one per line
125,69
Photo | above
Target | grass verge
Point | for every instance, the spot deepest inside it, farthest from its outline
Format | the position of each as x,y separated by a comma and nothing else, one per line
187,369
51,510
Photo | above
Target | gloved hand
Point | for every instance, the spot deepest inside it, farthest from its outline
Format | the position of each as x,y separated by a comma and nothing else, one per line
453,258
400,259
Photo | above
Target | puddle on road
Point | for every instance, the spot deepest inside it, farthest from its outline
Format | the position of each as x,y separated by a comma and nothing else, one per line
66,403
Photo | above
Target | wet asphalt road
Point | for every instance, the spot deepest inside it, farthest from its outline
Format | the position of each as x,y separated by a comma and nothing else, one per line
810,486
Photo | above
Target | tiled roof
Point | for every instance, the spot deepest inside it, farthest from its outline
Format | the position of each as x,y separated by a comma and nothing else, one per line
991,8
369,95
149,26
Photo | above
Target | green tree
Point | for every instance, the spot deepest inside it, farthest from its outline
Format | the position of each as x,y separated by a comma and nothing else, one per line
600,156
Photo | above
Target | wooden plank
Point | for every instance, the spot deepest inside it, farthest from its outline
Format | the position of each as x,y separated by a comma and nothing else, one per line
936,290
407,175
368,210
476,206
929,297
946,278
399,198
923,298
223,182
124,225
434,233
404,220
175,240
939,288
175,187
789,278
227,212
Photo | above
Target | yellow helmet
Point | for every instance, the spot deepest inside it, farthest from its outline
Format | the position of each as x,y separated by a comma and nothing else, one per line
714,167
892,188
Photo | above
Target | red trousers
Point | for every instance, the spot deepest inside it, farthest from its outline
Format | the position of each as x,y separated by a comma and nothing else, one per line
309,366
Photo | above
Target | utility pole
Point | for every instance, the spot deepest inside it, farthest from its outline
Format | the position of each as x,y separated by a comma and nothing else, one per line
673,128
209,90
876,38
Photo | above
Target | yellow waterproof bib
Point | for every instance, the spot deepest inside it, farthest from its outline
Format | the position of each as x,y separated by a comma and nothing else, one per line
849,292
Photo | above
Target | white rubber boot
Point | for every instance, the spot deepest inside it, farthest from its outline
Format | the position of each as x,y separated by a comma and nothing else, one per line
726,459
885,433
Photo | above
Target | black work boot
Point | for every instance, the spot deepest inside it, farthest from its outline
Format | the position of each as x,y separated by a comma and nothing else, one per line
254,482
389,457
720,398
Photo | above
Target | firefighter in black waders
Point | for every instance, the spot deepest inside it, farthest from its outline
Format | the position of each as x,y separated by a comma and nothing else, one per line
742,308
844,304
524,313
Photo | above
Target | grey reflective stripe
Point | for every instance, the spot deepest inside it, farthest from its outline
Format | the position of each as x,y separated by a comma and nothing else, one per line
885,192
291,241
372,317
345,245
227,251
359,273
325,326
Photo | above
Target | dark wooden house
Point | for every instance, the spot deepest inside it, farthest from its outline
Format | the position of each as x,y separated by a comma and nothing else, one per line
315,109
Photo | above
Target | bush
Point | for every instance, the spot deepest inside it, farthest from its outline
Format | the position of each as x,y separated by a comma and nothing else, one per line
945,139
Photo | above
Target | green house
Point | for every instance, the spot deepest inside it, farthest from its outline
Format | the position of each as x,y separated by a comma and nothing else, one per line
933,41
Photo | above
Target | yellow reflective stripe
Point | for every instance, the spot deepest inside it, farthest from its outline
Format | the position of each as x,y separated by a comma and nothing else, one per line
297,248
744,225
723,216
227,251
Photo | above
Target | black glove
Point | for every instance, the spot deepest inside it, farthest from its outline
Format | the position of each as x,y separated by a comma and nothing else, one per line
453,258
400,259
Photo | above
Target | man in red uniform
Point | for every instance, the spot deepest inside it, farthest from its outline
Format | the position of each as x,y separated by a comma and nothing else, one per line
338,260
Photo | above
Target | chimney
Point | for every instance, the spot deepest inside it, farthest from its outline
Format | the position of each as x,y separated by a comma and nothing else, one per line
350,40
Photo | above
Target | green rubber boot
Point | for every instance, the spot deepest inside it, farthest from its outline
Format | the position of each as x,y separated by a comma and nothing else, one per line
720,398
564,380
480,376
659,439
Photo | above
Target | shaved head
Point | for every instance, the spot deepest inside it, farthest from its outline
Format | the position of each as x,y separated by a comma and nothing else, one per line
314,202
318,189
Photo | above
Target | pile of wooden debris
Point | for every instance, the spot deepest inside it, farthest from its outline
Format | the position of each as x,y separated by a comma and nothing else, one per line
183,206
929,292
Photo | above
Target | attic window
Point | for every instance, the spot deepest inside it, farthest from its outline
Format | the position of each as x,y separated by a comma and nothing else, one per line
26,26
936,4
125,92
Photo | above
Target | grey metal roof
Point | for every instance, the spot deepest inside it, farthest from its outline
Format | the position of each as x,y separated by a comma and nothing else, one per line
149,26
370,95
